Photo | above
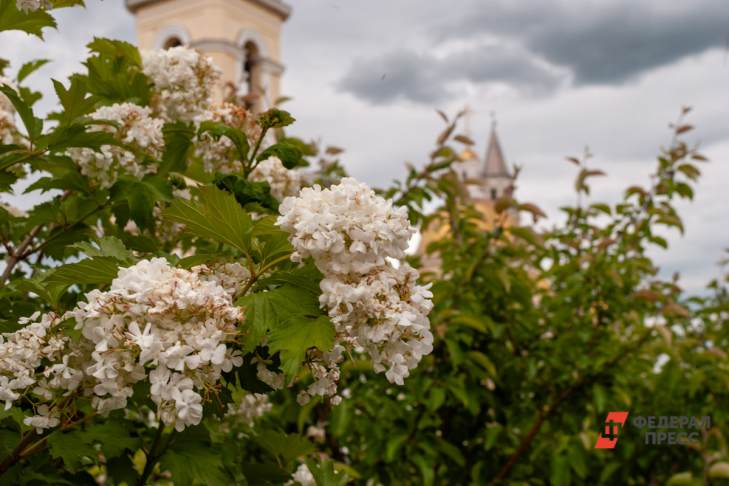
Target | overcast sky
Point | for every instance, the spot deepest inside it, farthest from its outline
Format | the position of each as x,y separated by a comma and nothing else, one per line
560,76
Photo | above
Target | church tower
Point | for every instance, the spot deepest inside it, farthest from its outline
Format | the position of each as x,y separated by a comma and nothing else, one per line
243,37
490,178
487,180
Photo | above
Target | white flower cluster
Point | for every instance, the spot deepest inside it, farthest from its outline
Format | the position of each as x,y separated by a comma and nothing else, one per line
156,322
220,155
302,476
23,351
346,229
352,234
8,130
251,407
137,130
283,182
324,369
183,81
32,5
171,320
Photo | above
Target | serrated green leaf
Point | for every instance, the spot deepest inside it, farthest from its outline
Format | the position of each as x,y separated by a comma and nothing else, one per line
30,67
115,437
71,447
214,215
269,310
192,459
31,22
99,270
178,143
33,125
301,333
108,246
286,446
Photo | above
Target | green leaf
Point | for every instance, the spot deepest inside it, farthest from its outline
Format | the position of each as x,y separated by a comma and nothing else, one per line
214,215
71,447
115,74
178,143
33,125
139,198
300,334
30,67
74,100
108,246
76,135
193,460
560,471
393,446
31,22
248,192
121,469
266,311
119,49
275,118
264,474
306,277
285,446
115,437
289,154
99,270
451,451
235,135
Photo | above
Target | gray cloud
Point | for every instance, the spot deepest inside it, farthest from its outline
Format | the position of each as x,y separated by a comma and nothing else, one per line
427,78
531,43
601,42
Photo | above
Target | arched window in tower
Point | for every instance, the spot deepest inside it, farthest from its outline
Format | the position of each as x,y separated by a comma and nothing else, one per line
252,76
171,42
494,193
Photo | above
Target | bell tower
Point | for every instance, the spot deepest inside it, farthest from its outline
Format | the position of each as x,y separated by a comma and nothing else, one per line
243,37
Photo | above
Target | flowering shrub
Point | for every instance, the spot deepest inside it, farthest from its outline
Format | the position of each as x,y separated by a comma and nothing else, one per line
194,302
153,301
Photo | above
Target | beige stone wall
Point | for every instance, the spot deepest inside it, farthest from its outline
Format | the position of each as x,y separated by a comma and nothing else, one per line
219,28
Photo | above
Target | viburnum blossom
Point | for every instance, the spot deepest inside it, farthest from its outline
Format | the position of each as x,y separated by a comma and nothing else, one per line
167,318
137,130
283,182
385,312
168,325
352,234
346,228
8,130
31,5
249,408
220,155
183,81
23,351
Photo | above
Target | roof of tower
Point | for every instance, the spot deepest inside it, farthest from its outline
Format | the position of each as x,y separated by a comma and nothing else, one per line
276,6
494,164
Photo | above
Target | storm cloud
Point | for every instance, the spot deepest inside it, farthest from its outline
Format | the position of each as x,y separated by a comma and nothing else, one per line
429,78
534,46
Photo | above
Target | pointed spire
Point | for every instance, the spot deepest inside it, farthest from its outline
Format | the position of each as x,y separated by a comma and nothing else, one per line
494,164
